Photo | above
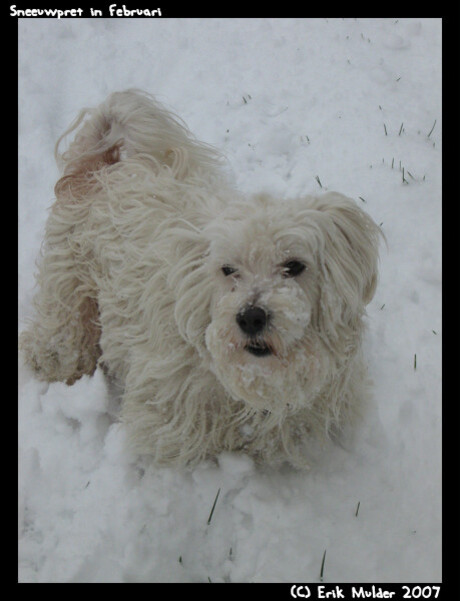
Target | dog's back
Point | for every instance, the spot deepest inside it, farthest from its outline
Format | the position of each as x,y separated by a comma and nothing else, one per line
127,138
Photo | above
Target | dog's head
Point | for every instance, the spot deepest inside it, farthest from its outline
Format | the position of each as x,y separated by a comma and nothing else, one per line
272,294
290,281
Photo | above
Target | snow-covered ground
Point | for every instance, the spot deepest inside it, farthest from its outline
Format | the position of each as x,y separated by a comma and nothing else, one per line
348,102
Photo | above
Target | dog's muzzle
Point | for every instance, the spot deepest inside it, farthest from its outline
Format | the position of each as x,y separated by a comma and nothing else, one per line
252,321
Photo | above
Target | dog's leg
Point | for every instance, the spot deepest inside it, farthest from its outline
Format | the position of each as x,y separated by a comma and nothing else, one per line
62,342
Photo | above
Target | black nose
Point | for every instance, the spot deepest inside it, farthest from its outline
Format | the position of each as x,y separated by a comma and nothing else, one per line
252,320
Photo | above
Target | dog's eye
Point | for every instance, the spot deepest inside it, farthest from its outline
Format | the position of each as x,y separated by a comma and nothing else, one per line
227,270
291,269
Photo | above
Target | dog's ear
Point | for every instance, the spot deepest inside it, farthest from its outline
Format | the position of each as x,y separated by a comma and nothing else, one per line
350,251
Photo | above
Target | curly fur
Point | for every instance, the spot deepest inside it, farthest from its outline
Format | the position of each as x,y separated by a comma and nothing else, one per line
130,278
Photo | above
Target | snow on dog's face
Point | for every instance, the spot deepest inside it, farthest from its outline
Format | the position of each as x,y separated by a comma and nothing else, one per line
288,283
263,261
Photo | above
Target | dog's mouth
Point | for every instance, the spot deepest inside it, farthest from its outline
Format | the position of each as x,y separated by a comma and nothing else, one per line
259,349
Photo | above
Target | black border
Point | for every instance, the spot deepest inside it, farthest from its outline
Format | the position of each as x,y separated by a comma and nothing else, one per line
451,254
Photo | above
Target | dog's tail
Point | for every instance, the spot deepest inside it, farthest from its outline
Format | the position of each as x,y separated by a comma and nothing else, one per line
129,124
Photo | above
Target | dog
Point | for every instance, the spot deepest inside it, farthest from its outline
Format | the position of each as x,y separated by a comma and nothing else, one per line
230,323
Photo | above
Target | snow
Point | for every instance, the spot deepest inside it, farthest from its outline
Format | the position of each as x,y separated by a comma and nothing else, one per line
290,102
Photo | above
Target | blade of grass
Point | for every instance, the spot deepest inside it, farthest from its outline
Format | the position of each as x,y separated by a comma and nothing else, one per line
431,130
213,507
322,566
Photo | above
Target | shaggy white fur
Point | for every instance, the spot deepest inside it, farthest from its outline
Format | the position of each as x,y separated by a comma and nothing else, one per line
230,323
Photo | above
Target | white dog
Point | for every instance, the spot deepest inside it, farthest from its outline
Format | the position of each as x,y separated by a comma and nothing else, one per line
231,323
